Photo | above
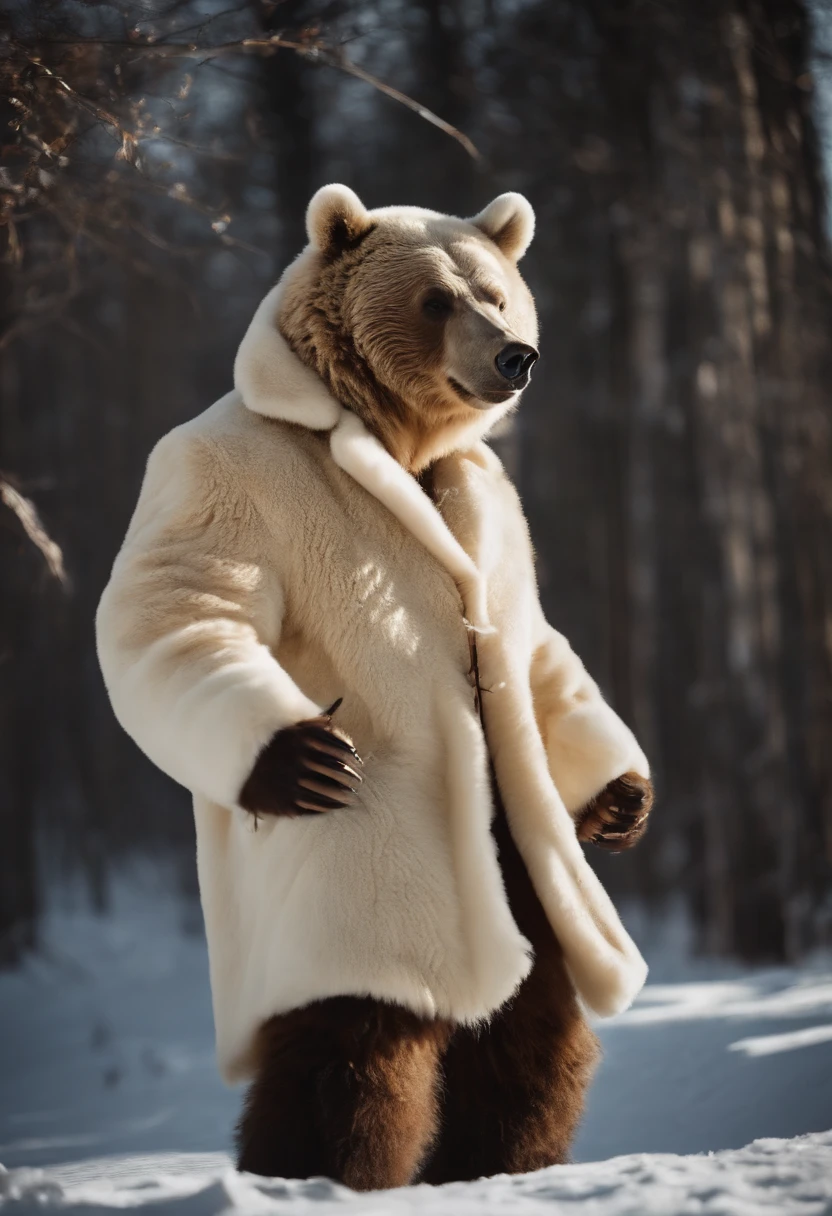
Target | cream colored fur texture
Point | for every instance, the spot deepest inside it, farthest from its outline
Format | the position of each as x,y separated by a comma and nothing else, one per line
279,558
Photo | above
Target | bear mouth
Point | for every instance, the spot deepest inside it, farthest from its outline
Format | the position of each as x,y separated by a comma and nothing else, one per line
490,397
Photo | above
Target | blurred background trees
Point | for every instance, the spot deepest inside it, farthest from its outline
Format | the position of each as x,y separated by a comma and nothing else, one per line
674,452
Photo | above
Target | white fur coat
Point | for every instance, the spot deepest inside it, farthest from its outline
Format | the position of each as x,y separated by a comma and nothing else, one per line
279,558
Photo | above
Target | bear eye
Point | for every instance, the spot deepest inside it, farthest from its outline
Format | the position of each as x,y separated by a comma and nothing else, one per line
437,305
502,306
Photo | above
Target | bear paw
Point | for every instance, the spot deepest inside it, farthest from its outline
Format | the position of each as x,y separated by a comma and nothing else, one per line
304,769
616,819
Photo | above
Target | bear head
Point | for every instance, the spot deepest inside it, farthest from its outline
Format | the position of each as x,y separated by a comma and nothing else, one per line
418,322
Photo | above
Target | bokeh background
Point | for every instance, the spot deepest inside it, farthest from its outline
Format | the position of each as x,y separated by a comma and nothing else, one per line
674,452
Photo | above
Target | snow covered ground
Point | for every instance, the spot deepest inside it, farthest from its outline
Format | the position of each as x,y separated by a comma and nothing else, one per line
109,1095
777,1177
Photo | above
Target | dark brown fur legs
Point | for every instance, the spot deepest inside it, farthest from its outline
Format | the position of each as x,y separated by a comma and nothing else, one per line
514,1091
347,1089
373,1096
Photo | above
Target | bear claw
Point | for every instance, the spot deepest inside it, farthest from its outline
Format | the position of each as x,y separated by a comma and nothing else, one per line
306,769
616,819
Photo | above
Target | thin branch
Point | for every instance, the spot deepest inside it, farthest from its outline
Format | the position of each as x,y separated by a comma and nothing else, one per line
26,512
199,26
313,51
337,60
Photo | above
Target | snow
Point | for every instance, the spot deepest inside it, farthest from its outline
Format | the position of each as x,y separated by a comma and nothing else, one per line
770,1044
783,1177
109,1096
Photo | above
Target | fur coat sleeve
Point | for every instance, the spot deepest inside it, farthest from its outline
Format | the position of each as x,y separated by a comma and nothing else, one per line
587,744
187,621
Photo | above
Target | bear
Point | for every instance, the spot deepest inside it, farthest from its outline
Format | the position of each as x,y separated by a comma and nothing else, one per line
324,622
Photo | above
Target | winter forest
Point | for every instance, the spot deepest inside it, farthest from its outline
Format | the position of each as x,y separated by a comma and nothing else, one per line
673,453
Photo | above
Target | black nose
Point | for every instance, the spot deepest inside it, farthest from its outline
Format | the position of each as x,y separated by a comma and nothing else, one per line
515,360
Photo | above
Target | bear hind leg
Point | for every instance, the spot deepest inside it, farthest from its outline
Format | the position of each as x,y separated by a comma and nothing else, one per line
515,1089
514,1096
346,1089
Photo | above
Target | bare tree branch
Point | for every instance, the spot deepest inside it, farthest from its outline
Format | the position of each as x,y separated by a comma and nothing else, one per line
338,60
26,512
311,49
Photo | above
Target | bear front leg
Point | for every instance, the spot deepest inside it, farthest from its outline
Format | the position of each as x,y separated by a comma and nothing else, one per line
616,819
305,769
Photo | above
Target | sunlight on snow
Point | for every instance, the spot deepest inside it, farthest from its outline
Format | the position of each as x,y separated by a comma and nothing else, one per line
767,995
772,1044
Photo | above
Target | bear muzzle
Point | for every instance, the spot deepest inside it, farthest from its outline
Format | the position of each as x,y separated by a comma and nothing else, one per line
486,361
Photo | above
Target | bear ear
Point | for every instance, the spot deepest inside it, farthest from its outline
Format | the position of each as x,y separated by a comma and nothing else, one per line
509,222
336,219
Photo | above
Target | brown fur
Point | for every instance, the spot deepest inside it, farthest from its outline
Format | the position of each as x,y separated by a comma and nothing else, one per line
347,1087
618,817
406,406
305,769
514,1090
403,319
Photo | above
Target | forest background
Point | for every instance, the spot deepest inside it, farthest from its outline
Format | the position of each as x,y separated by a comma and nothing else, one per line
674,452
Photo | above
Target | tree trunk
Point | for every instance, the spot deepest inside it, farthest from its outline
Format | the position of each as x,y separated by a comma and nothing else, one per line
22,574
682,415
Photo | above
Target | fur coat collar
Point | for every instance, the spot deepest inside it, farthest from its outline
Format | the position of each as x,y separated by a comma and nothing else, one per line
272,381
